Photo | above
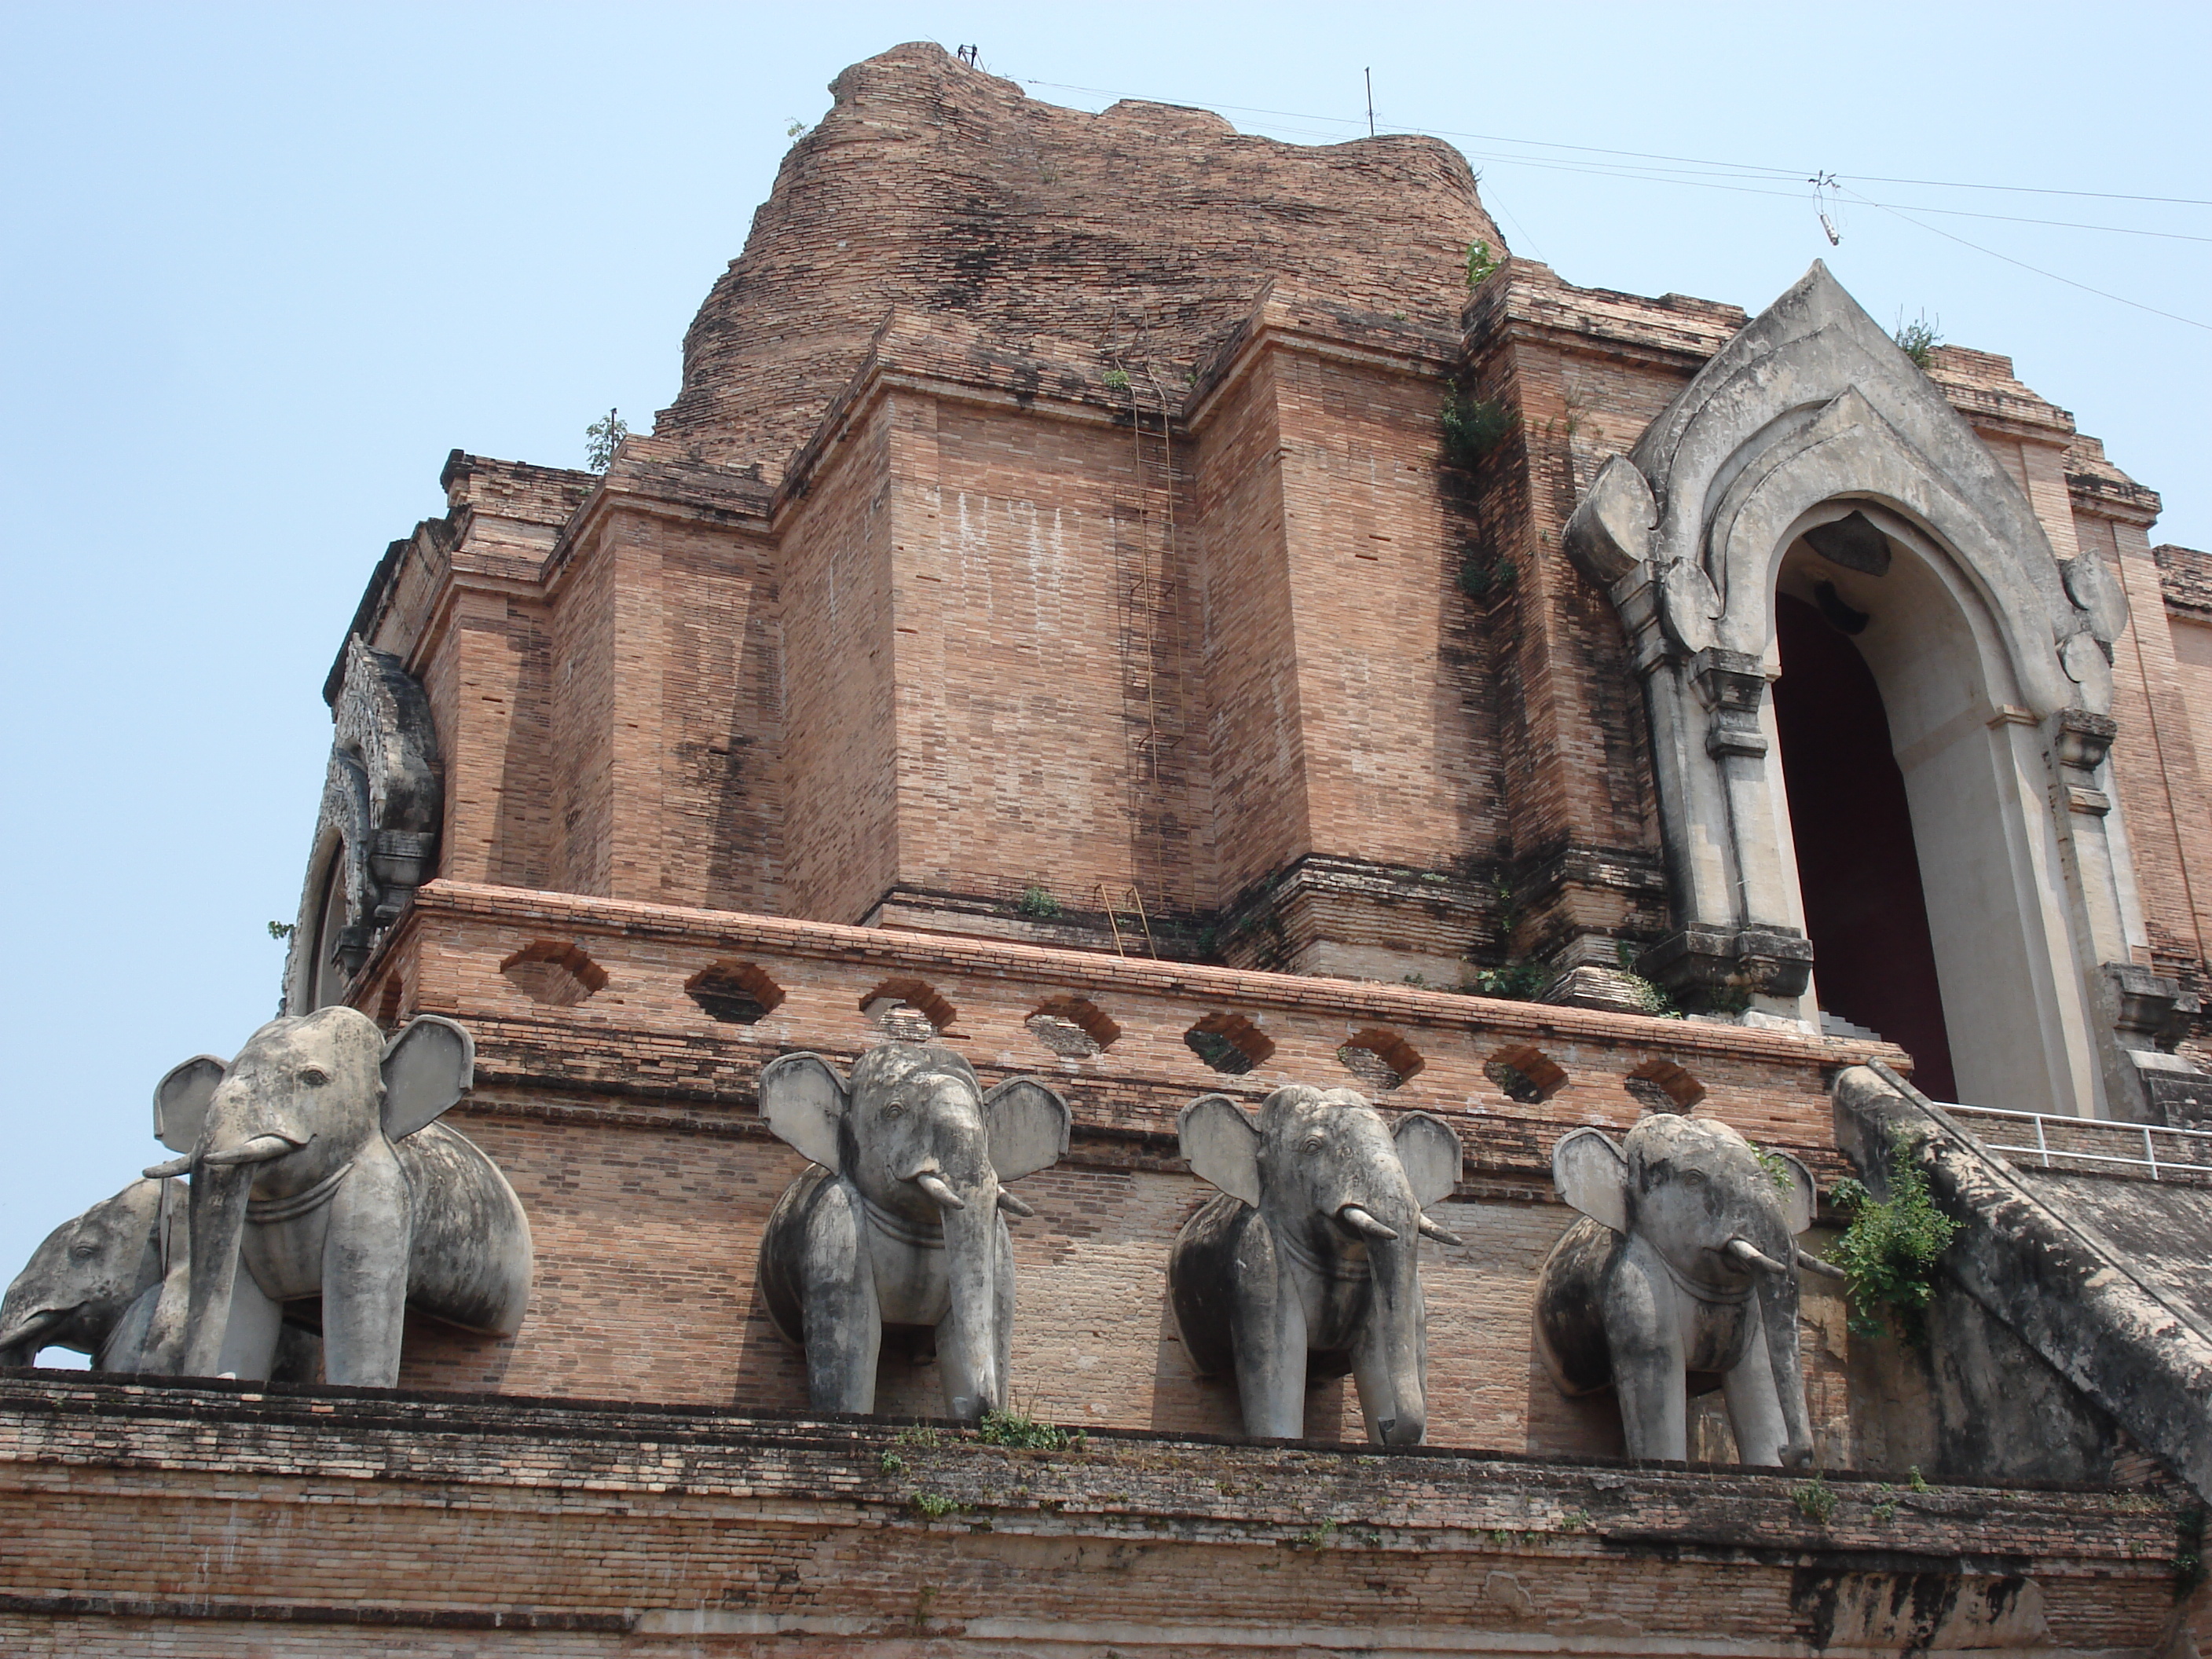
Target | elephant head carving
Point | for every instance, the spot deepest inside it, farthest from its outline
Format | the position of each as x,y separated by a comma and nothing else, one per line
1309,1261
1682,1277
901,1221
92,1274
318,1172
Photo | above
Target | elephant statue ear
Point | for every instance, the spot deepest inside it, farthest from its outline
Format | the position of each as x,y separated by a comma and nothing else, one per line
181,1099
431,1064
803,1099
1592,1175
1799,1192
1222,1145
1026,1126
1430,1154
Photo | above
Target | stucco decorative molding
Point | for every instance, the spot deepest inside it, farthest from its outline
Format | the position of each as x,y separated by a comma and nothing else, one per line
376,833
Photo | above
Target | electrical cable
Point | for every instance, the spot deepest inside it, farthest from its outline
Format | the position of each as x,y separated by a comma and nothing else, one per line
1738,167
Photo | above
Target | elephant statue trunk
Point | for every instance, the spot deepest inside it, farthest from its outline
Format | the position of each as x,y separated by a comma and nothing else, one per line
219,1197
966,1340
1389,1360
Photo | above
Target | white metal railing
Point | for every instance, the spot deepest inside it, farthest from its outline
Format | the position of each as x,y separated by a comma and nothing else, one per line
2195,1142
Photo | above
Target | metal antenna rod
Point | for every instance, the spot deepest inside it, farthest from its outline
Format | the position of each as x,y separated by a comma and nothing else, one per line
1369,74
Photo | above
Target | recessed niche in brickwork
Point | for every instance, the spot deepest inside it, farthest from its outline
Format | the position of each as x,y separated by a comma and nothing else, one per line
1229,1043
388,1003
1526,1073
735,993
907,1011
1073,1028
1380,1058
556,973
1663,1086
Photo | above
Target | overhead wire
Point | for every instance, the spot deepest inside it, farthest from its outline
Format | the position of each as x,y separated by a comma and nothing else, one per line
1753,179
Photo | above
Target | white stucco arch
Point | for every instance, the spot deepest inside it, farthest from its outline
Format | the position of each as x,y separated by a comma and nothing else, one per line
1990,657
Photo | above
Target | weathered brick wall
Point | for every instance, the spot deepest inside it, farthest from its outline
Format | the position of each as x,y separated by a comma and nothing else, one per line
140,1519
1145,228
840,756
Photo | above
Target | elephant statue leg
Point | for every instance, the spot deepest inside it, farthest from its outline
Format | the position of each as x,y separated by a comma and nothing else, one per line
1267,1322
1643,1328
844,1327
249,1339
365,1259
1754,1408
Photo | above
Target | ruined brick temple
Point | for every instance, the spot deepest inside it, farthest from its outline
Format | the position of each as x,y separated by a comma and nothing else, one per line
1171,613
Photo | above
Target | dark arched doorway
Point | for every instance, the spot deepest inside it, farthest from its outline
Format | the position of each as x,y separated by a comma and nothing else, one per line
1859,872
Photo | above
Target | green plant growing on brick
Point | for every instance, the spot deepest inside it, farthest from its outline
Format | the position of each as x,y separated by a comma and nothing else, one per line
1013,1428
282,930
1315,1538
934,1505
1884,1508
1650,997
1117,380
1479,578
1915,1480
1777,1170
1481,262
924,1434
1474,427
1037,903
1918,339
1815,1498
601,438
1516,981
892,1463
1576,1521
2188,1551
1889,1251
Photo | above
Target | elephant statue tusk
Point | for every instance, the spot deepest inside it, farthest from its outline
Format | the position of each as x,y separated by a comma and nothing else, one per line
259,1149
1430,1230
1743,1250
1360,1222
933,1183
1013,1206
1814,1264
175,1166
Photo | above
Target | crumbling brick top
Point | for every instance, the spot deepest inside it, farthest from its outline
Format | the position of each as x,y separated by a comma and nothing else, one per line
2186,575
1143,231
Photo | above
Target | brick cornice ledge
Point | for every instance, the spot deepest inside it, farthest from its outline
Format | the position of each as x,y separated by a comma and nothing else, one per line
720,932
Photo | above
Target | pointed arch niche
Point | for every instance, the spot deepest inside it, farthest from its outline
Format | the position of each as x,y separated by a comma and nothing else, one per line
1811,470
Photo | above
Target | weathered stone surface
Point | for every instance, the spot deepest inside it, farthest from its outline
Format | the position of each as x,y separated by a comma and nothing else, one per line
1681,1278
1308,1264
897,1223
2038,1257
320,1177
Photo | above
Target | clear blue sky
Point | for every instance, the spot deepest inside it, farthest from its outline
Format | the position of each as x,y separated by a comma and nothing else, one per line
262,267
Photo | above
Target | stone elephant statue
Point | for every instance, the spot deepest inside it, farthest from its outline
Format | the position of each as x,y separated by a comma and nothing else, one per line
898,1224
110,1285
1680,1278
1308,1263
319,1174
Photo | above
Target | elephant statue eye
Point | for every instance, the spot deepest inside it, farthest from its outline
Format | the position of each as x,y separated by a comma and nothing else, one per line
313,1076
1313,1143
84,1252
897,1109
